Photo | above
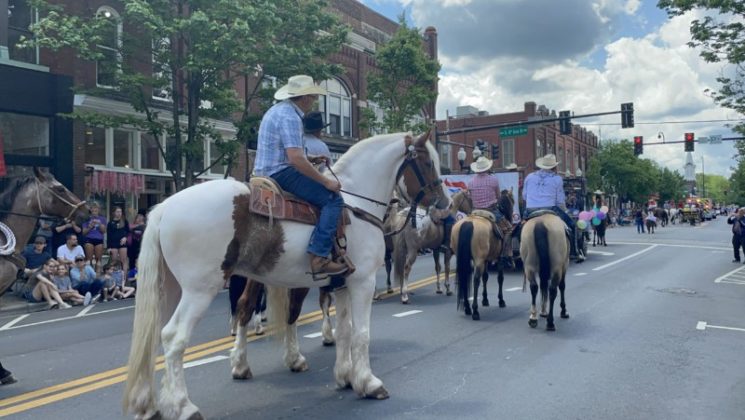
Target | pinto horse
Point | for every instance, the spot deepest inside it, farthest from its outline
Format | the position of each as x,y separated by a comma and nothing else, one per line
181,270
24,200
545,251
476,245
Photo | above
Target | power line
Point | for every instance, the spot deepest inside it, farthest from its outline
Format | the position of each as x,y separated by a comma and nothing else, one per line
669,122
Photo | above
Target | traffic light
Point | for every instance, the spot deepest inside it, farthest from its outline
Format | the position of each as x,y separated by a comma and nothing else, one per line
638,145
689,142
627,115
565,126
495,151
480,145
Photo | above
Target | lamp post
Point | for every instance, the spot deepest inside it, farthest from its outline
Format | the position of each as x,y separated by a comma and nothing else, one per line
462,158
703,177
661,136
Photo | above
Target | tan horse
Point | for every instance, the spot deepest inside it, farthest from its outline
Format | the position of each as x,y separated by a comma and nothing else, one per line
429,235
22,202
476,245
545,252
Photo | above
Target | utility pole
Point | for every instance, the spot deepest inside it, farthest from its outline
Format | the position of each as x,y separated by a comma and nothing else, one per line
703,177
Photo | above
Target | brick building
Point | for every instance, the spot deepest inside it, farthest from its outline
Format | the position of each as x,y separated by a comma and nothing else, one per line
121,166
516,146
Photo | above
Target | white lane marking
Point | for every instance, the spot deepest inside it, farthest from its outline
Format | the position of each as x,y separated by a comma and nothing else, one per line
625,258
407,313
204,361
513,289
733,281
14,322
703,325
580,274
719,248
592,251
736,270
314,335
85,310
49,321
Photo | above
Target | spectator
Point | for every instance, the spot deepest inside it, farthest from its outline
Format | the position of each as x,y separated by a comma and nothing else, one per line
118,229
737,220
67,253
39,286
134,240
60,232
132,276
639,219
84,279
37,256
119,274
114,287
62,280
45,230
94,230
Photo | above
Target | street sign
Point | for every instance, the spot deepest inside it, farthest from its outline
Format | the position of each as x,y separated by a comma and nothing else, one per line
517,131
716,139
702,140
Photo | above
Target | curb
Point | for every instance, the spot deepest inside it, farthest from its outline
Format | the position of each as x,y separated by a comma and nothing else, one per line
11,305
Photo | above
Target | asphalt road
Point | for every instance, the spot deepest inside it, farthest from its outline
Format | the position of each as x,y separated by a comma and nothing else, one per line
656,331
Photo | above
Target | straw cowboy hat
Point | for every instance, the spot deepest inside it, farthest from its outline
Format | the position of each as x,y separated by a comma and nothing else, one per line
299,85
511,167
547,162
482,164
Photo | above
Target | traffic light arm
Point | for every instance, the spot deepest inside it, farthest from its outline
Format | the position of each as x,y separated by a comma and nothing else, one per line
516,123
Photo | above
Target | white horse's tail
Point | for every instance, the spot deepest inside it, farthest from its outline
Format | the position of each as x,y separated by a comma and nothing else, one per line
278,306
139,395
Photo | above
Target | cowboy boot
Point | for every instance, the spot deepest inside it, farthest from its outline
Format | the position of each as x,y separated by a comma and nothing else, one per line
322,267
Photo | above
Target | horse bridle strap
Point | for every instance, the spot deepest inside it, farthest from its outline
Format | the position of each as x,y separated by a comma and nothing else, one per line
366,216
75,207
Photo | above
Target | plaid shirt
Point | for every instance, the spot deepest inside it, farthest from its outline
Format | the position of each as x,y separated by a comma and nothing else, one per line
484,190
281,128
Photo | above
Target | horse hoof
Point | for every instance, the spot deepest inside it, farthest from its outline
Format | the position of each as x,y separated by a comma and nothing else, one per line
329,343
243,376
379,394
389,291
544,315
476,316
533,323
448,293
564,315
301,368
468,311
405,301
502,304
196,416
438,291
550,327
485,302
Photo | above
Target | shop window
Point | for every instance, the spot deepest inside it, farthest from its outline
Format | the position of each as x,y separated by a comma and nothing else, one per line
123,148
108,65
149,153
24,134
219,168
508,152
95,146
337,108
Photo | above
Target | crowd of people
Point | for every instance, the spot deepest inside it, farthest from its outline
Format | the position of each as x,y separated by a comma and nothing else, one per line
68,265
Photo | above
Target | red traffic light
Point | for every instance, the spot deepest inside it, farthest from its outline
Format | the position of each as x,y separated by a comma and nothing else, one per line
638,140
689,137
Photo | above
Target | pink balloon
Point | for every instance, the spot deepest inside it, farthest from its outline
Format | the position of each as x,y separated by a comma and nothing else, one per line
585,215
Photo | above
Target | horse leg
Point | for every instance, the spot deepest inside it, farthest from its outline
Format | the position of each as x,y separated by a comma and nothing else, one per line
363,381
594,233
246,306
293,359
447,255
174,399
533,319
327,330
484,296
343,365
436,256
500,281
476,281
552,289
562,285
388,269
409,262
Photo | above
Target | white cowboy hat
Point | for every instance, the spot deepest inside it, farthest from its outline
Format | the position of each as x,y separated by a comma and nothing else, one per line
510,167
482,164
547,162
299,85
598,192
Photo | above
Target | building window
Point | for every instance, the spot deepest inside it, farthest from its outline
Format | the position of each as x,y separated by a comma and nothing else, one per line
108,65
95,146
123,148
24,134
508,152
149,153
379,116
337,107
219,168
20,17
445,156
161,71
561,159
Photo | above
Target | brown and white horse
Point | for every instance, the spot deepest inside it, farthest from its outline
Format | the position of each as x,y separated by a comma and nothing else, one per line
21,204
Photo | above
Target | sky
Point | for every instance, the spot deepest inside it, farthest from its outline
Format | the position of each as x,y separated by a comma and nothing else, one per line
585,56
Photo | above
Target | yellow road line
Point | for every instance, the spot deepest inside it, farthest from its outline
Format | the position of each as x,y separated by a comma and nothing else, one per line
114,376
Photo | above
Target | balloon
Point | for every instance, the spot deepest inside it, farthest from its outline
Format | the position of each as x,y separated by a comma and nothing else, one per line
595,221
582,224
604,209
600,215
585,215
593,213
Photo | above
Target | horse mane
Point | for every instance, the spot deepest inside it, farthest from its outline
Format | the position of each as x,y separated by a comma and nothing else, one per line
14,187
505,204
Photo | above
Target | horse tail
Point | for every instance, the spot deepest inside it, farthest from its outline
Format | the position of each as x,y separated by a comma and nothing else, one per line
463,261
540,236
139,395
278,306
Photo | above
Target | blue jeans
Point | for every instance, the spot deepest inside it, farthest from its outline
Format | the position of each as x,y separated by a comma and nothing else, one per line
93,286
639,225
330,203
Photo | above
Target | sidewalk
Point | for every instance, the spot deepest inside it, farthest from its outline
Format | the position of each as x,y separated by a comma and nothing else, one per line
11,304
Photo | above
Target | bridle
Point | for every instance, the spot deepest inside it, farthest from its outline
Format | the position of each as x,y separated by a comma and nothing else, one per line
75,207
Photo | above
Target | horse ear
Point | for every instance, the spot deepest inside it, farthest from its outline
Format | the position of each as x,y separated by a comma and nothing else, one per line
423,139
40,174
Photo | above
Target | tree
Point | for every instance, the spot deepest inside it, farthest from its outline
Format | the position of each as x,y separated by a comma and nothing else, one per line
198,50
715,185
404,83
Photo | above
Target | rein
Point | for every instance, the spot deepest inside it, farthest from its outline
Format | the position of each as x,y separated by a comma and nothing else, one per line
75,207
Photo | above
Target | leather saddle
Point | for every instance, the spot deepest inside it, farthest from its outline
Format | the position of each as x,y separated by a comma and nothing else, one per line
539,213
488,215
270,200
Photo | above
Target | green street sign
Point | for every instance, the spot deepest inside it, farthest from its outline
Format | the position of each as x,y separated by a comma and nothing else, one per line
517,131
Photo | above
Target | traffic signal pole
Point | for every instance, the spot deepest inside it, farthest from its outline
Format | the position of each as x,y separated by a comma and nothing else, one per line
661,143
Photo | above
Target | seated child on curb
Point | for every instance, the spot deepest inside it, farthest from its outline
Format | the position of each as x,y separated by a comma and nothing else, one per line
118,275
62,280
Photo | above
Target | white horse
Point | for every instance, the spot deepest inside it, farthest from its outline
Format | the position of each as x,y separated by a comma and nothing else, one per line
180,269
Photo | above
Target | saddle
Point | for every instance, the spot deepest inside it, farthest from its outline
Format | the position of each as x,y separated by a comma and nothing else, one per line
539,213
488,215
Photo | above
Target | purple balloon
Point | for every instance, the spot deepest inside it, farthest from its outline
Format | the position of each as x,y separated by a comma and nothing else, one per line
600,215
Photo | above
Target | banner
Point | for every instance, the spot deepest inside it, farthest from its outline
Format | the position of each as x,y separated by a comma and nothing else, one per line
3,170
507,181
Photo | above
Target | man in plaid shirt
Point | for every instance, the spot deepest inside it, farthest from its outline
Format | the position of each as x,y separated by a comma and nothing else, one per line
485,192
